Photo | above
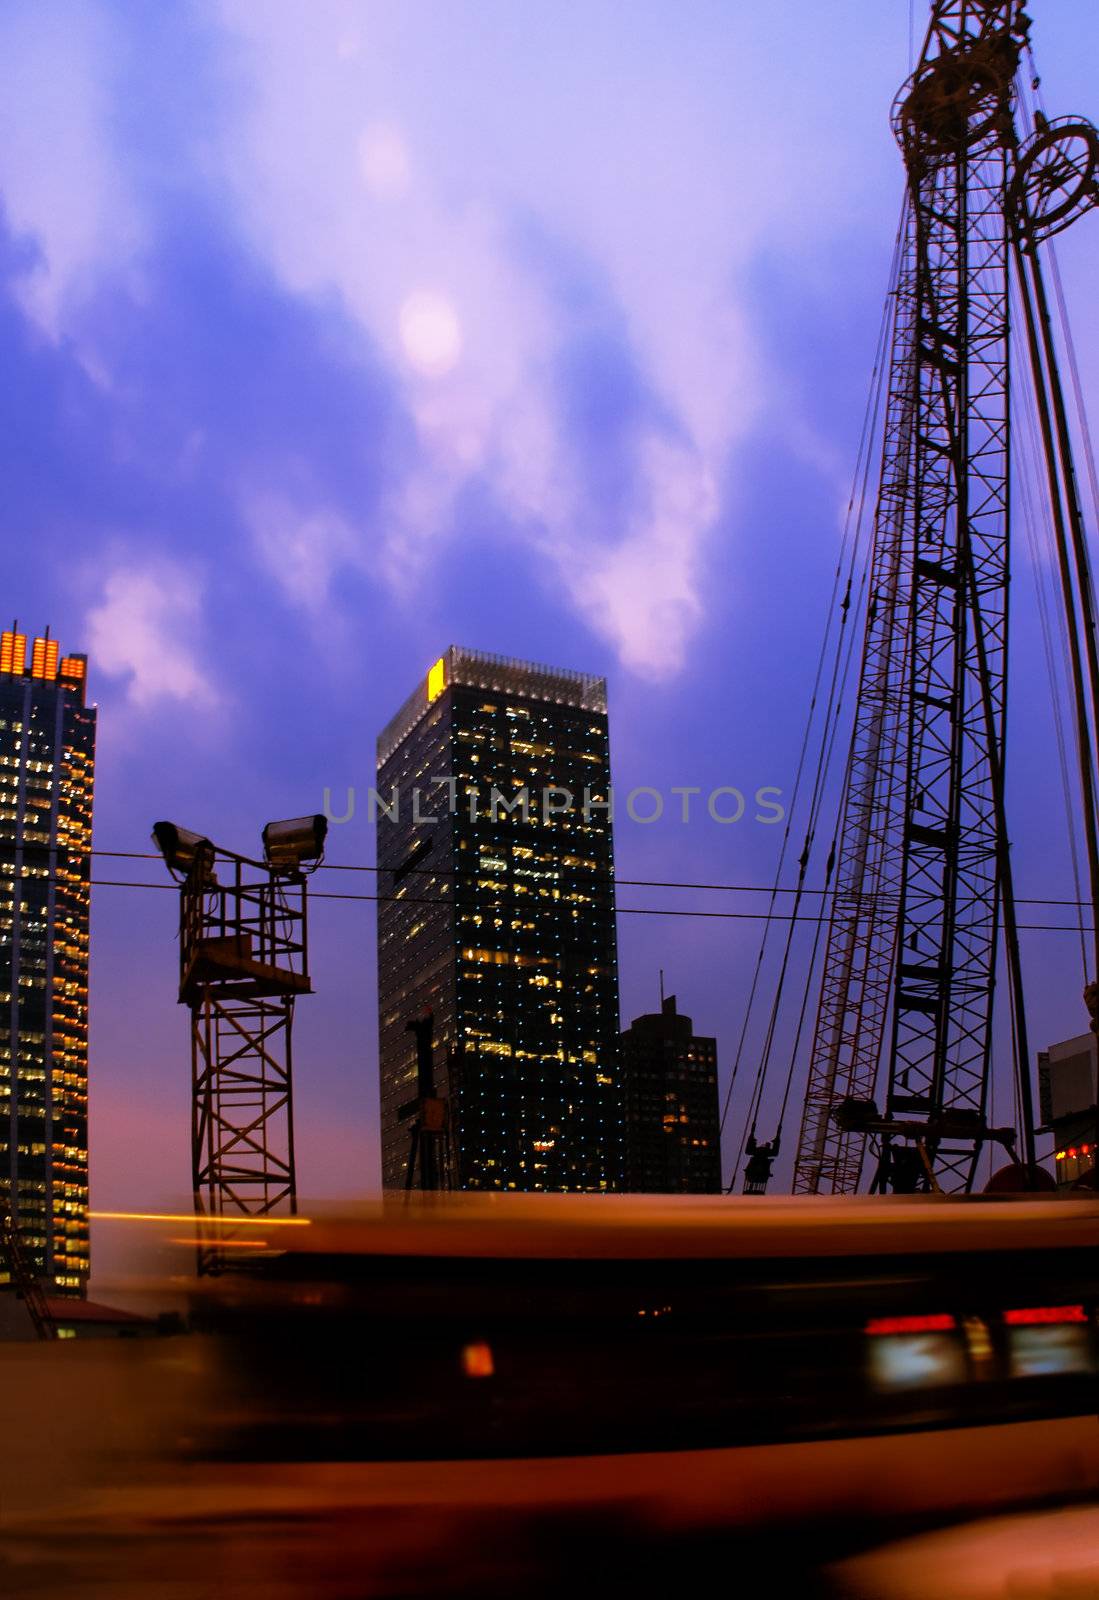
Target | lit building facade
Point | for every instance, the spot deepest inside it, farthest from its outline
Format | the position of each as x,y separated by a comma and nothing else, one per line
47,770
496,913
1068,1089
673,1133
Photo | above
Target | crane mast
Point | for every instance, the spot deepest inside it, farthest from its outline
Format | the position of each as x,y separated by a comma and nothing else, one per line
923,901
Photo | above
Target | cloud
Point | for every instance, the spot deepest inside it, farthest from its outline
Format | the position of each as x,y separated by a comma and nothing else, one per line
384,160
430,332
643,592
145,630
60,180
302,550
475,196
414,216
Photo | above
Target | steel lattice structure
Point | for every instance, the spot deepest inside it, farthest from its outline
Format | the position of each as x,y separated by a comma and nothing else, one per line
923,882
857,974
243,962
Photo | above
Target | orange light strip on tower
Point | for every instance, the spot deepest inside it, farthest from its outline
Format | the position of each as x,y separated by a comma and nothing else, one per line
74,667
44,659
13,651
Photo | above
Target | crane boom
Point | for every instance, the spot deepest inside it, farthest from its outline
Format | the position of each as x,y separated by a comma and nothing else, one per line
923,901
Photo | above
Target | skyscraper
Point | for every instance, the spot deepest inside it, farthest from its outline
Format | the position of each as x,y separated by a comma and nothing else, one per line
673,1135
47,767
497,914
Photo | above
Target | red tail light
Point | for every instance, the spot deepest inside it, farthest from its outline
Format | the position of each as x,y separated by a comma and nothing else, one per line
1029,1316
937,1322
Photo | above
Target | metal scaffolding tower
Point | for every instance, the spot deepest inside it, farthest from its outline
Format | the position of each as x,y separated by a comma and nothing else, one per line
244,960
923,900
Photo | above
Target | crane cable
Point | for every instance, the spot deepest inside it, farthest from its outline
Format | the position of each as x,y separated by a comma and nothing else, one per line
1063,316
1071,623
824,767
865,441
1056,667
840,671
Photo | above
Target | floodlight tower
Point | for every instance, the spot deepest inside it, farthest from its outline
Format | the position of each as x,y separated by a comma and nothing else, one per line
244,959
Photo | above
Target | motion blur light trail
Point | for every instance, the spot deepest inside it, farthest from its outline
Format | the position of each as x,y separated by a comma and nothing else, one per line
189,1216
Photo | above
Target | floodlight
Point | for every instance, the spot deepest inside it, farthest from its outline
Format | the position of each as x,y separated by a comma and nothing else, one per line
181,850
288,845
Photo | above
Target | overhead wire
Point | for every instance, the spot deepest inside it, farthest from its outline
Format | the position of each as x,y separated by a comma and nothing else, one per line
446,873
428,900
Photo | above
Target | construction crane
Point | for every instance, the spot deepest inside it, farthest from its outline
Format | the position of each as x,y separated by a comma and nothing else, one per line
922,899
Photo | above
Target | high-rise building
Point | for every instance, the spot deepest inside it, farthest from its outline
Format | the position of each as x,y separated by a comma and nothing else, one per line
673,1135
497,915
47,767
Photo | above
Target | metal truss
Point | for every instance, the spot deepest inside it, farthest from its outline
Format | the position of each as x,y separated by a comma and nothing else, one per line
244,960
856,982
241,1080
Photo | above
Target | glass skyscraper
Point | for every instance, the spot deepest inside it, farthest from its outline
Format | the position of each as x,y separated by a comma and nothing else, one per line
497,914
47,768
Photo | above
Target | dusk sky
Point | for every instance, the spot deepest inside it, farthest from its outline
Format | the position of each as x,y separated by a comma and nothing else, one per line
337,333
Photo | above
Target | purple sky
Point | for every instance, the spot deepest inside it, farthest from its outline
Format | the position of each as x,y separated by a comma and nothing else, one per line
337,334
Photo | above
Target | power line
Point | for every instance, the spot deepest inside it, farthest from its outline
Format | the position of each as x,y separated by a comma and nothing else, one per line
470,873
621,911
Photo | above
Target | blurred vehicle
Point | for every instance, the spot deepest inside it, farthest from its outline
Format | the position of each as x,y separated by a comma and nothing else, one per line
797,1356
486,1394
